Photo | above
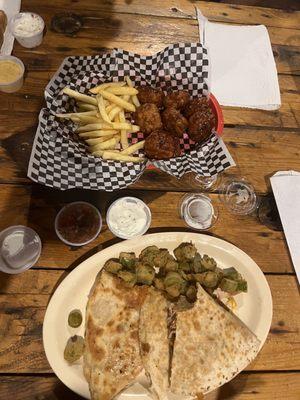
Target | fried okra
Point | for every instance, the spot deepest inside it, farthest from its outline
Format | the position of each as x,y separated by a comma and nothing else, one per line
185,252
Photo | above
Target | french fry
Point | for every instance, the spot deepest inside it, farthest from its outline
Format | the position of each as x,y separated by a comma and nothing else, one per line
109,144
102,110
122,90
80,96
134,98
124,139
97,134
89,119
125,125
110,155
94,141
86,107
118,101
97,89
95,127
133,148
114,112
109,108
76,114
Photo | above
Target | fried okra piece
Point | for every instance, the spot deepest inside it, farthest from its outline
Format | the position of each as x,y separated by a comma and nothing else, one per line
208,279
128,277
127,259
148,254
208,263
113,265
145,274
185,252
161,258
174,284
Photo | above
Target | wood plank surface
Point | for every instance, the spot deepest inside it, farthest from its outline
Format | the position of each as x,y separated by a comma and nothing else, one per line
245,386
24,298
183,9
37,207
141,34
258,153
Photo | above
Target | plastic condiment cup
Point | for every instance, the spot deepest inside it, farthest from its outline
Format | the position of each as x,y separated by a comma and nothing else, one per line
198,211
132,201
20,248
13,86
31,40
75,206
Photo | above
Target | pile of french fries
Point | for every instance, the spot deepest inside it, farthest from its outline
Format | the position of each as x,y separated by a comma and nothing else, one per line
102,121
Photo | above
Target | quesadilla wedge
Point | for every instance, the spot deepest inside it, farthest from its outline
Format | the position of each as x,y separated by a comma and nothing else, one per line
112,355
154,343
212,346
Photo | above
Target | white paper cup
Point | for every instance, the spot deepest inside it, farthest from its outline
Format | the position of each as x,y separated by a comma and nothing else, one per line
13,86
30,39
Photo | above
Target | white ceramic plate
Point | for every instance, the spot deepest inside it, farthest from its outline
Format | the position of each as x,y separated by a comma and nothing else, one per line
254,307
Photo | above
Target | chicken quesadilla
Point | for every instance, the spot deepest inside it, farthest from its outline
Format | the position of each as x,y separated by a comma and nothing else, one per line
154,344
112,354
212,346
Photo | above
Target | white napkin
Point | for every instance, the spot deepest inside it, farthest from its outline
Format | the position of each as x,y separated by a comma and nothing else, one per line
243,69
11,8
286,189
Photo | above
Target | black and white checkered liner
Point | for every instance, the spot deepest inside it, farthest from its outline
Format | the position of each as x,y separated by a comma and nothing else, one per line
59,159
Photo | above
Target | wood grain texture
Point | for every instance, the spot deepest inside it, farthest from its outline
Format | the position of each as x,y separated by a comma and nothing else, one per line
24,298
258,153
244,387
184,9
37,207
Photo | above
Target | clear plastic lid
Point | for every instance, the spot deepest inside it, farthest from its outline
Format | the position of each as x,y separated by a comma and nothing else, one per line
238,196
20,248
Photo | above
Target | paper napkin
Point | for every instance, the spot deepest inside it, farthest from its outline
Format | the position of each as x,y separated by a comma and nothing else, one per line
286,189
10,7
243,69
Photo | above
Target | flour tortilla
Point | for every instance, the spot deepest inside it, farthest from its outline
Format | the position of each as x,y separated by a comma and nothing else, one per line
154,343
212,346
112,355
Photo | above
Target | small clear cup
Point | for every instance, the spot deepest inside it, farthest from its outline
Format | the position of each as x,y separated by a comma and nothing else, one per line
132,202
238,196
20,248
29,39
198,211
204,183
15,85
78,223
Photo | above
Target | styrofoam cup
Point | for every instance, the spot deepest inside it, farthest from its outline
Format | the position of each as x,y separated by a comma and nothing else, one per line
29,40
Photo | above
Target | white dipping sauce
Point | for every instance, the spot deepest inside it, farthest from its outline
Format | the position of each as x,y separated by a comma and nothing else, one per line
128,217
28,29
28,25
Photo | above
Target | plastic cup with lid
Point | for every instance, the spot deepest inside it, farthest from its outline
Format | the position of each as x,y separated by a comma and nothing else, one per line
13,85
27,28
20,248
198,211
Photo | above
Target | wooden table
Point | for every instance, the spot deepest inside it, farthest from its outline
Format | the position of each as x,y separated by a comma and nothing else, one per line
261,143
